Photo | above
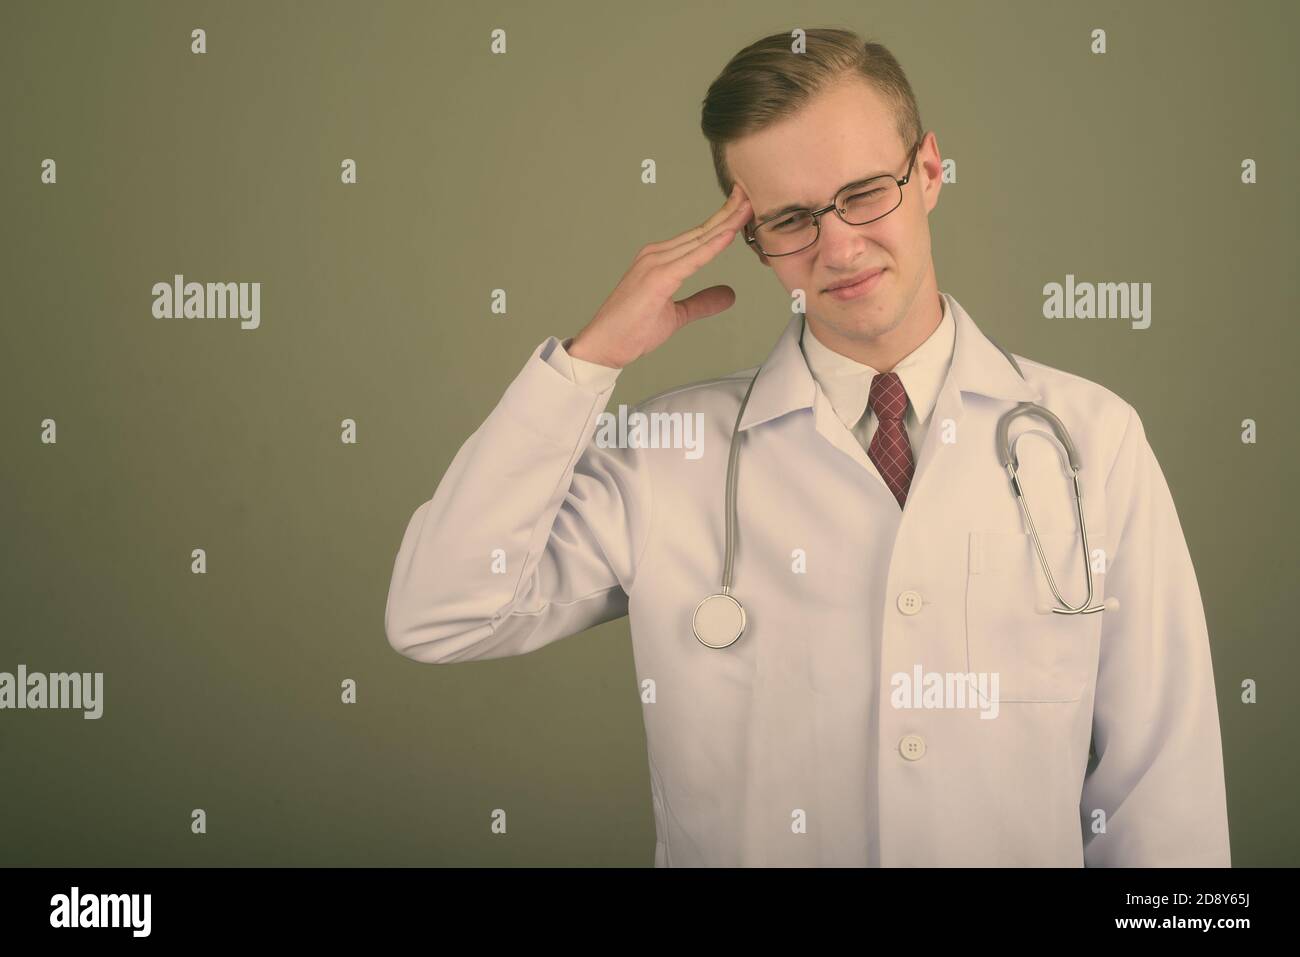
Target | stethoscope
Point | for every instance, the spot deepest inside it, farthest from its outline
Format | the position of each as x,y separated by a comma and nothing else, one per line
719,619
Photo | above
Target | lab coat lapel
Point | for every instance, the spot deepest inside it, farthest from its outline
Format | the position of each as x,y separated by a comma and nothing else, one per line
978,368
786,385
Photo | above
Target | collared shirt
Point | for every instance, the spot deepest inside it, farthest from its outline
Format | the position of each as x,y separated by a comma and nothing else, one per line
847,382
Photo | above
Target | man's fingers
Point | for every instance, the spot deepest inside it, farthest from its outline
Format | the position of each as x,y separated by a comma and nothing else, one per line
702,232
720,215
690,256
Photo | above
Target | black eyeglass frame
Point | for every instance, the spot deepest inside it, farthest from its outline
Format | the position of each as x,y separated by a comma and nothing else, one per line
817,214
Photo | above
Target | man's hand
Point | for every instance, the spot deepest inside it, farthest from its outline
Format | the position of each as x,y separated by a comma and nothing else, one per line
640,313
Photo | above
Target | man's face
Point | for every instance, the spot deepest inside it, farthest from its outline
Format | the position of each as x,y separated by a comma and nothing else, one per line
845,134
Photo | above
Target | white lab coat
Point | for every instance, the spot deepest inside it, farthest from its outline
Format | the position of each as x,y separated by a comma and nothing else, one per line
785,749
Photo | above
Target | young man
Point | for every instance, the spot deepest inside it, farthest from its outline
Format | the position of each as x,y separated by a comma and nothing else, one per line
878,550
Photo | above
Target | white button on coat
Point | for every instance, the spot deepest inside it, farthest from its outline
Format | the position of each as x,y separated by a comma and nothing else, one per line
909,602
912,747
797,714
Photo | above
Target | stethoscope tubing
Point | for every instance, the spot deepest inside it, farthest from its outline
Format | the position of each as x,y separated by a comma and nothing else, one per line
725,599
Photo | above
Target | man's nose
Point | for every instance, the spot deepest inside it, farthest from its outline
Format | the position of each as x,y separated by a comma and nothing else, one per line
836,234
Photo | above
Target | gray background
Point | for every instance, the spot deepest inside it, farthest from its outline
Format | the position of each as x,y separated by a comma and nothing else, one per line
522,172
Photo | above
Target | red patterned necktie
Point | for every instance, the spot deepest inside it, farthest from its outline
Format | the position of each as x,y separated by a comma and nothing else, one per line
890,450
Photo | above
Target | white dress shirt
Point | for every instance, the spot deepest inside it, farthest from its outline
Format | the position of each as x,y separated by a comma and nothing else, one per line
847,382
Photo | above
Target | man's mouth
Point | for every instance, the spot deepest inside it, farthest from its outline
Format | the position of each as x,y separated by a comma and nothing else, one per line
857,285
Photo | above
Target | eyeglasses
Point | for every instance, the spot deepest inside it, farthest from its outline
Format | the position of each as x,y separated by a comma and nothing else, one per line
857,204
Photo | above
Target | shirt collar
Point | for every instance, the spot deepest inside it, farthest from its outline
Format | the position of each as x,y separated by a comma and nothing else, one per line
785,382
847,382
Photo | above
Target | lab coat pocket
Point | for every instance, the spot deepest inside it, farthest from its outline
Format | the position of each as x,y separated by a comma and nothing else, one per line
1039,656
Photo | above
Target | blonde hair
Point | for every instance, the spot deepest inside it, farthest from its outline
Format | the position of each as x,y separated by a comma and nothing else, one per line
766,82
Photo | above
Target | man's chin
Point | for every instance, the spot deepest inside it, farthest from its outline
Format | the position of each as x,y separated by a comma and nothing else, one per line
859,319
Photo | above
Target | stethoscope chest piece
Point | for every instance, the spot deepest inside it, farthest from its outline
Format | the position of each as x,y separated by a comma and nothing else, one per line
718,621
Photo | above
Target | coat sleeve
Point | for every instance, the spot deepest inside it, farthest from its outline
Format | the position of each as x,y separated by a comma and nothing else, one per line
533,533
1158,769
